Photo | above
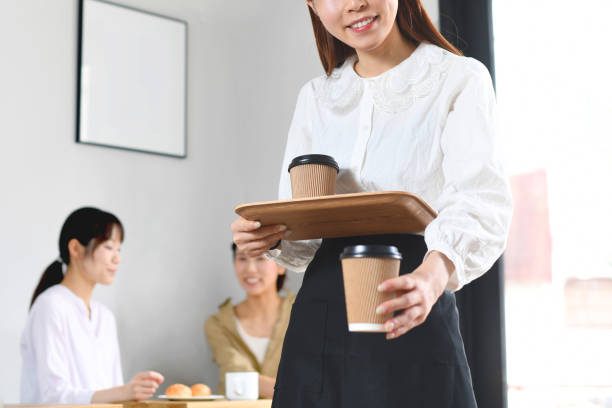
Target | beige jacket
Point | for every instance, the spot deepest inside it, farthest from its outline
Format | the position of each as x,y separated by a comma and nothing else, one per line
231,353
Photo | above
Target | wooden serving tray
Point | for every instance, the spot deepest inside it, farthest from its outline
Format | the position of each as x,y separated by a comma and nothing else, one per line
344,215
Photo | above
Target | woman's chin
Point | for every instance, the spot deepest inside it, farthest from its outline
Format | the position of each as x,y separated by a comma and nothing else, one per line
256,290
253,291
368,46
107,280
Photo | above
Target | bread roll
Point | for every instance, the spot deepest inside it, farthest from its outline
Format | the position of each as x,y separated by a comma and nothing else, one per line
178,390
200,390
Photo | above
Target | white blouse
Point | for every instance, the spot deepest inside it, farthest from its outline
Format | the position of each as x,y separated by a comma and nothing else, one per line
426,126
67,355
257,345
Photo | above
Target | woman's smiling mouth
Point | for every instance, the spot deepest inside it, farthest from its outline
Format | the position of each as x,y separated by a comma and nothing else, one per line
362,24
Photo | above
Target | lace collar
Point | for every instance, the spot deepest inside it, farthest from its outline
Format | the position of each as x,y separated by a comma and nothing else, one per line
394,90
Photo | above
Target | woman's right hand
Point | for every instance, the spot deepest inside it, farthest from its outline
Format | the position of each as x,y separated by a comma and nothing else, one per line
143,386
253,239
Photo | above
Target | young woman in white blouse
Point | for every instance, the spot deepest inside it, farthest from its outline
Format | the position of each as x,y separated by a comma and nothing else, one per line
69,346
399,109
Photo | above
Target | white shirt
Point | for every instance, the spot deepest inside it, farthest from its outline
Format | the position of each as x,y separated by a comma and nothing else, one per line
426,126
67,355
257,345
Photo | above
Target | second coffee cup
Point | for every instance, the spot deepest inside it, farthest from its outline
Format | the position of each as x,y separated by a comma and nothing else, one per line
364,267
313,175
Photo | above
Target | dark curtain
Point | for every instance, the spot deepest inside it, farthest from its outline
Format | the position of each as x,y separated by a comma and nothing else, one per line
468,25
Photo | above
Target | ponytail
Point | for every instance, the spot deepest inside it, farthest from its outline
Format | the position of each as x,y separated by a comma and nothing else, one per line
52,276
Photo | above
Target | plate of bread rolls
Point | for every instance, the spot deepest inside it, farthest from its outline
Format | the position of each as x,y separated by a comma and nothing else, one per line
182,392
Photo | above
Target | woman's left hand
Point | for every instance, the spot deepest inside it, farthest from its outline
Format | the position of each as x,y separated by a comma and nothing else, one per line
417,292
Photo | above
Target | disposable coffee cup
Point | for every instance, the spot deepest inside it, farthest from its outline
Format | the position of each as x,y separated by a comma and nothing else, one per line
364,267
313,175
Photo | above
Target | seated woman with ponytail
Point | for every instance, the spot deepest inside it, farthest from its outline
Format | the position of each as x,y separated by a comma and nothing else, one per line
69,346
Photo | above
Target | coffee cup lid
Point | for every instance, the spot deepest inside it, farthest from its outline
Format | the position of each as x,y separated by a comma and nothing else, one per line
371,251
314,159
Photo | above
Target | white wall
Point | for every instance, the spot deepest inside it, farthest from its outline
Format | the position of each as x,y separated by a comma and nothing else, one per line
433,10
246,62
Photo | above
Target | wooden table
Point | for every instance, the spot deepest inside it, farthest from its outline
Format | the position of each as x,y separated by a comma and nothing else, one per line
62,406
262,403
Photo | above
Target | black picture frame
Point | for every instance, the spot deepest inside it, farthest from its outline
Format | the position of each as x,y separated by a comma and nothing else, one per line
79,91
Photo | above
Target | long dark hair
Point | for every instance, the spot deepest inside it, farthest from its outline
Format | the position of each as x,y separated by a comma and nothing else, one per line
413,22
280,279
91,227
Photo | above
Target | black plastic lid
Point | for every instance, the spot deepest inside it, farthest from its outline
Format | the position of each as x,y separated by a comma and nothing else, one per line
371,251
314,159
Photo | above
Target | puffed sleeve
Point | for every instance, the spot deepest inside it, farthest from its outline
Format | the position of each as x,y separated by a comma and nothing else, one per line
226,353
296,255
475,207
53,378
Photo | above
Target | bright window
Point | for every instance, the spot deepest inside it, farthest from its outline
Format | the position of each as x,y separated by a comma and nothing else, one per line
554,88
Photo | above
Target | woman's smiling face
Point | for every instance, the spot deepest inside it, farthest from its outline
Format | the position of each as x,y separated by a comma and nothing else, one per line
256,274
101,265
361,24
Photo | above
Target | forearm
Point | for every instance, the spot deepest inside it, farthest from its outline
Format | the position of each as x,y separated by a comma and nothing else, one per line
115,394
266,386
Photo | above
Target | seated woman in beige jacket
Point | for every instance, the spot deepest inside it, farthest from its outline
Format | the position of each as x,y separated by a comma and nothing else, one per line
249,336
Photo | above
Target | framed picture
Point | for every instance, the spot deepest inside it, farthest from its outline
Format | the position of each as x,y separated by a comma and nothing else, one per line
132,79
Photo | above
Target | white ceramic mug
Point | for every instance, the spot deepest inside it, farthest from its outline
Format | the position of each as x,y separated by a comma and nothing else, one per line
242,385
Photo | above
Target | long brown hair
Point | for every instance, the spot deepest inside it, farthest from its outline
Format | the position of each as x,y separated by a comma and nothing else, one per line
413,22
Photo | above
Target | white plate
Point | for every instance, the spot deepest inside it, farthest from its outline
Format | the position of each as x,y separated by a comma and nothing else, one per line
211,397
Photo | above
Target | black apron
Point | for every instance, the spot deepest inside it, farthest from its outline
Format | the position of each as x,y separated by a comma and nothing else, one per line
323,365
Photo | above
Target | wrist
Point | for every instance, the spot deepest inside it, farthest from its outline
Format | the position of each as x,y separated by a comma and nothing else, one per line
440,262
124,393
441,268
